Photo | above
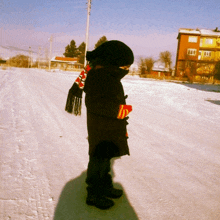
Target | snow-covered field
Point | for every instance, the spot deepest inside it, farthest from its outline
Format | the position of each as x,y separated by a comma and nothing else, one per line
173,171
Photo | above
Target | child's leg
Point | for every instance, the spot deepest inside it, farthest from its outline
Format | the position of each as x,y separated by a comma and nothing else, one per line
98,173
99,179
98,168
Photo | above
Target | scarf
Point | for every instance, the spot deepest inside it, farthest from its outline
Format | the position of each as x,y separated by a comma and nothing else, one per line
74,98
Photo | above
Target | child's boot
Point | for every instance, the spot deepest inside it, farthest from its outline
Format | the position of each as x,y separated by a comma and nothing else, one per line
98,200
113,193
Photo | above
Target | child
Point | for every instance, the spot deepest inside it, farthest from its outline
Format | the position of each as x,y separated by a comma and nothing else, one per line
106,118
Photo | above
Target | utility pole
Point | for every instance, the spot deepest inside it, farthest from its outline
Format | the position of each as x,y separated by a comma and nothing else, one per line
1,43
39,56
87,28
51,39
30,58
46,53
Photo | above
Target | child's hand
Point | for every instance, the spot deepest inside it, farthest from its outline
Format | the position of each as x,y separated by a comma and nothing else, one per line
124,110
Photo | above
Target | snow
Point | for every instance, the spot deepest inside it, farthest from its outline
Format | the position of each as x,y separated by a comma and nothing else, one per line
172,173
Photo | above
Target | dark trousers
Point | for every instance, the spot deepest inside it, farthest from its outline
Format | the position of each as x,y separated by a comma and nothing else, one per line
98,176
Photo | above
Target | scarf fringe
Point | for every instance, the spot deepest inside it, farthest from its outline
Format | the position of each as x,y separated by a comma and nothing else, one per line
74,100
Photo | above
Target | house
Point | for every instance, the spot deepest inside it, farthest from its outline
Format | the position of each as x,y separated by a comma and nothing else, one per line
159,70
2,62
198,51
66,63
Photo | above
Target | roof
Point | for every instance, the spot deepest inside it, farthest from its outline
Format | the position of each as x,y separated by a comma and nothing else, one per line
66,59
189,31
159,67
205,32
201,32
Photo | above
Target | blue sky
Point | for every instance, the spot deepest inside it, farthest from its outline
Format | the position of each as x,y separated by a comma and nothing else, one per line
148,27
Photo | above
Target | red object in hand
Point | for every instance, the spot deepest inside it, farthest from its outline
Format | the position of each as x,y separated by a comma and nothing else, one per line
124,110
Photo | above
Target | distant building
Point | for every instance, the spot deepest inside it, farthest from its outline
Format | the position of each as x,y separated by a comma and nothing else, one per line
159,70
66,63
198,51
2,62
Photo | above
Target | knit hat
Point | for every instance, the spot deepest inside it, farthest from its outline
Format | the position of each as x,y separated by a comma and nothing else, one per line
113,52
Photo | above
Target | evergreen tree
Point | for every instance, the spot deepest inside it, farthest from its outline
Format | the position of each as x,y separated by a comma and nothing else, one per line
102,40
71,50
81,50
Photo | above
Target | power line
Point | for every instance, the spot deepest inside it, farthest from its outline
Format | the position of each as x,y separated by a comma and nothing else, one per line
13,48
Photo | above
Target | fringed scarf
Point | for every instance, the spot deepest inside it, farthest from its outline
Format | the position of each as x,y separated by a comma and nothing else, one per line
74,98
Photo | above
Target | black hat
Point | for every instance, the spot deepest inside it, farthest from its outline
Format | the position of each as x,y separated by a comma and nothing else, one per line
113,52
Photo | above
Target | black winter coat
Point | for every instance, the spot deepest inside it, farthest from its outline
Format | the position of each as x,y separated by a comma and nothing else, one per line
104,95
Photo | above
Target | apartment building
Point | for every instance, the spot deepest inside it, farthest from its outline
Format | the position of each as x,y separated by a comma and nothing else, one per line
198,51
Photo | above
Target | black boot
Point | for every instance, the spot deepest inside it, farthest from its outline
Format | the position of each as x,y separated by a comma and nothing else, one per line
113,193
100,202
109,191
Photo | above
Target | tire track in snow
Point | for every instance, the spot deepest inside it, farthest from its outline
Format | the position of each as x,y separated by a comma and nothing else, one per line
25,184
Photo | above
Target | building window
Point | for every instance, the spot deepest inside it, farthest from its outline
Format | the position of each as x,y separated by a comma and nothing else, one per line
201,41
192,39
209,41
207,53
200,54
191,52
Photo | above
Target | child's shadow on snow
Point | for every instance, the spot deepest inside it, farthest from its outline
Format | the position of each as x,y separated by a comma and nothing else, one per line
72,205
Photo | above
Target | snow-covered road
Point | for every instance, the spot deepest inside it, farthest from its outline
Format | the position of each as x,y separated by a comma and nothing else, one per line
174,137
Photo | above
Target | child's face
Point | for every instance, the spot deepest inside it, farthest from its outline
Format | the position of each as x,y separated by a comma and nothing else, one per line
125,67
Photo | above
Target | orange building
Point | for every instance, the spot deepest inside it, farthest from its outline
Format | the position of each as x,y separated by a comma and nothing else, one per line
198,51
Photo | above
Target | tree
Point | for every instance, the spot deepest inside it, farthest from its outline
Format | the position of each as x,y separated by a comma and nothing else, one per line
166,58
82,47
71,50
189,67
102,40
2,61
146,64
81,50
142,67
149,63
217,71
19,61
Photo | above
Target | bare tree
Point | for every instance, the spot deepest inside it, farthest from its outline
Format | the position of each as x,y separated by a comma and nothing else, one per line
217,71
146,65
187,66
19,61
149,63
142,67
166,58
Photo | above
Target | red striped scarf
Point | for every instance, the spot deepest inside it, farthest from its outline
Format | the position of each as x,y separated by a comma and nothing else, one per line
74,98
